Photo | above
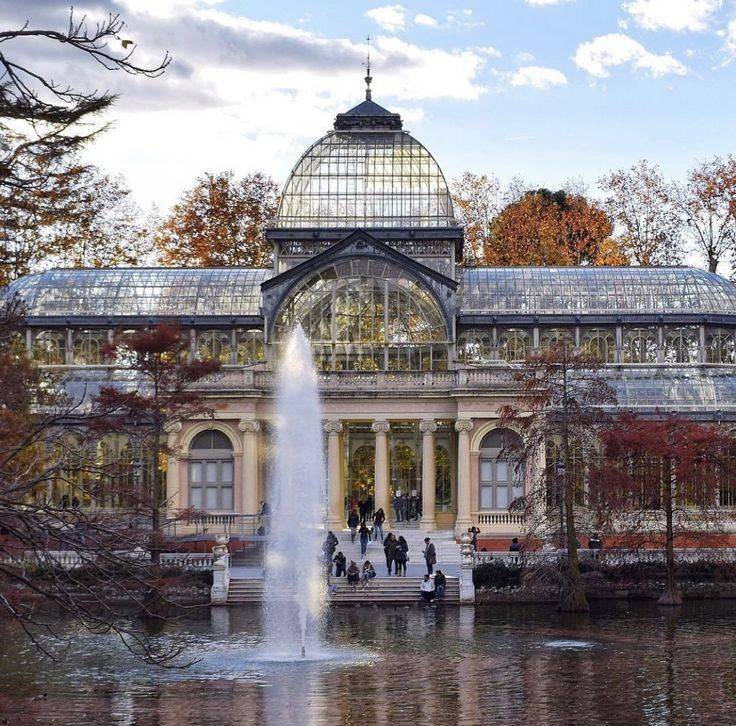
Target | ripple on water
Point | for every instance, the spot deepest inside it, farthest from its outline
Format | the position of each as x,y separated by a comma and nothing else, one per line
569,644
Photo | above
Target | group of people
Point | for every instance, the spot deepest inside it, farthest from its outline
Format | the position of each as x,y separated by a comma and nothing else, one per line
433,588
407,507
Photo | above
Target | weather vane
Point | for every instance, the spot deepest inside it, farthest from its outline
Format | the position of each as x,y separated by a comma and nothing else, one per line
368,76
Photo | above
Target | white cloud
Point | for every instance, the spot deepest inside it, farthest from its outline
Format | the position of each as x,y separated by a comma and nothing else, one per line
599,55
389,17
676,15
537,77
427,20
525,58
731,39
488,50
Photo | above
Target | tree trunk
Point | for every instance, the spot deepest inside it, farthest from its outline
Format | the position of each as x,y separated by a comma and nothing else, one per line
572,597
671,595
712,263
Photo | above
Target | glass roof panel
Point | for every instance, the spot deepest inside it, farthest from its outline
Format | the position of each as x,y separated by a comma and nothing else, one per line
150,292
366,179
594,290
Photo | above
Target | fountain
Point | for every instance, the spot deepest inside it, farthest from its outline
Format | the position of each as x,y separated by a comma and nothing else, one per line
294,593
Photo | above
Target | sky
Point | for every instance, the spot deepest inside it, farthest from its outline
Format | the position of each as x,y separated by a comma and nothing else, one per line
545,90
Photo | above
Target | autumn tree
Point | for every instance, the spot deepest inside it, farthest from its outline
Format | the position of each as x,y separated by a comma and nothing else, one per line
164,394
88,219
661,478
641,203
706,203
560,409
44,435
552,228
220,222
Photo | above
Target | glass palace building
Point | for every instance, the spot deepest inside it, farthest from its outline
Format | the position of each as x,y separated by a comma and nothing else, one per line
416,353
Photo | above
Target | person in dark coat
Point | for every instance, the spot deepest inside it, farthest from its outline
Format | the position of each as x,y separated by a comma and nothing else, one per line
353,522
389,549
440,582
430,555
515,545
378,519
339,560
365,535
397,507
401,555
362,509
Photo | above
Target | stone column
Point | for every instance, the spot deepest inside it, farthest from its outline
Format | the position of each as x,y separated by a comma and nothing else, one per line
463,428
381,476
250,465
173,495
335,504
428,429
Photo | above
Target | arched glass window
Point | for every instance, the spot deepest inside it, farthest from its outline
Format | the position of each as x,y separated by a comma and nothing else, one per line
250,347
501,476
403,469
87,347
366,314
556,339
211,472
640,345
214,344
719,346
49,347
116,472
601,344
474,347
681,344
442,478
514,345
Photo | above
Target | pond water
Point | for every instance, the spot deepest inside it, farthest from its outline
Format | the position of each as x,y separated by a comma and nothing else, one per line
623,664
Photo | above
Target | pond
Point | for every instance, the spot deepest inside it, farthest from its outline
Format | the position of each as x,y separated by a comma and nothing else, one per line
494,664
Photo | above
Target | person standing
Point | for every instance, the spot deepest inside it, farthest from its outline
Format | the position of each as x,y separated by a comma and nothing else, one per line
362,509
427,590
430,555
389,549
378,519
364,536
353,522
397,506
401,555
440,582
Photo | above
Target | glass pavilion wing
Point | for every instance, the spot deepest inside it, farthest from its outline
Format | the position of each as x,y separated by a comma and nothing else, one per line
573,290
369,179
149,292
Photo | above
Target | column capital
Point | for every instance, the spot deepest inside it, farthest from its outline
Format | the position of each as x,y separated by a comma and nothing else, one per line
249,426
380,427
463,425
428,426
332,427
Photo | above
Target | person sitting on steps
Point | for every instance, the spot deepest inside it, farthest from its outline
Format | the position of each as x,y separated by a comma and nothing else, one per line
353,574
369,572
427,590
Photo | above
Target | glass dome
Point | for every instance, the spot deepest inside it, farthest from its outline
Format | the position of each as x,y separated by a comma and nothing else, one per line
359,178
366,314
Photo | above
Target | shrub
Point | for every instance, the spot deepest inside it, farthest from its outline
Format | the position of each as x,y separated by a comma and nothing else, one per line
497,575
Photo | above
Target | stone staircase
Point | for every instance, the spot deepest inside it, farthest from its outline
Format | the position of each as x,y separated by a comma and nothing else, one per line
381,591
448,550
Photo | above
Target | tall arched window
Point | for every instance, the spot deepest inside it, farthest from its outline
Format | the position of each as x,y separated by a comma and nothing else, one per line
557,468
681,344
87,347
640,345
719,346
556,338
474,347
501,476
442,478
49,347
214,344
514,345
601,344
211,472
403,469
367,314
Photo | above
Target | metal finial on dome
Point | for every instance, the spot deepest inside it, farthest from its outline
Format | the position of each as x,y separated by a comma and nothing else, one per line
368,76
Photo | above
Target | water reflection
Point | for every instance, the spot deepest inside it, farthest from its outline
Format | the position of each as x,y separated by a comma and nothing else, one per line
467,666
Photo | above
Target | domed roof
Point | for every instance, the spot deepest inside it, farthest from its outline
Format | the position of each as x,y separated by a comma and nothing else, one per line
368,173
